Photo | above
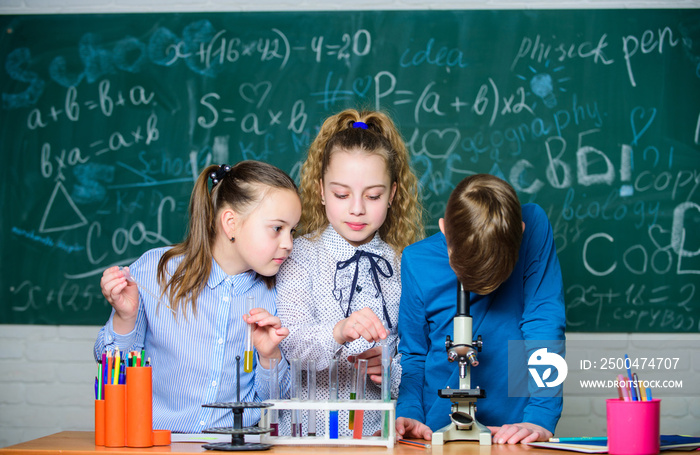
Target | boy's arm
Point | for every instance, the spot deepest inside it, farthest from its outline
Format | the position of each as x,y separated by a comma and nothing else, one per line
413,343
544,312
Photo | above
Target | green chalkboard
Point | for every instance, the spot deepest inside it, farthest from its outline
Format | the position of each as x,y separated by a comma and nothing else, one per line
593,114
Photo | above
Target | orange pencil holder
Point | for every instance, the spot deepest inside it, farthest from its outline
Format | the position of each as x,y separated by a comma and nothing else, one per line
99,422
115,415
139,407
161,437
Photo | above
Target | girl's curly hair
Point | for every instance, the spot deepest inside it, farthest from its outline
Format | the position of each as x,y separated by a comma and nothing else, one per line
404,221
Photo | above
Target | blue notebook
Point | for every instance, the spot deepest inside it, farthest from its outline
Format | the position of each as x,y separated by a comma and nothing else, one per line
668,442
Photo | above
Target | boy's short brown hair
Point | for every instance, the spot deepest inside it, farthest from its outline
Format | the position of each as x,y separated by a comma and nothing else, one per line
483,228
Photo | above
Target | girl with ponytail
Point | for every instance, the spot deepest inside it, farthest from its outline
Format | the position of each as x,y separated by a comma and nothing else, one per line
191,318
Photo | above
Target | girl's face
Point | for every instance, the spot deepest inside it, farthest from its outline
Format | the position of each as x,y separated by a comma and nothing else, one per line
357,191
263,237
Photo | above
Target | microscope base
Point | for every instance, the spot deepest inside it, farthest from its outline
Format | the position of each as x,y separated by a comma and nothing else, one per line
477,432
464,426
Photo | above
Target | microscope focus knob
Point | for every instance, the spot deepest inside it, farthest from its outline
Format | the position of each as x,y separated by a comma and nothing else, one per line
479,343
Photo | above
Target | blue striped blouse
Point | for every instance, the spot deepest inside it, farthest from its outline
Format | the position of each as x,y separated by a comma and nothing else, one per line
194,356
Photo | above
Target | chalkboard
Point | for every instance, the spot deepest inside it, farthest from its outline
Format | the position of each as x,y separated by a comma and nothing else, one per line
593,114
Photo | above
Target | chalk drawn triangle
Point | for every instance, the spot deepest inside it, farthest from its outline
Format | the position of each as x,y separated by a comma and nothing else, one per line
77,220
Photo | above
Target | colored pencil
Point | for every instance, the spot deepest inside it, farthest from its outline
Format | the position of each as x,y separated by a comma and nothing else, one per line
115,377
414,443
622,385
99,379
628,363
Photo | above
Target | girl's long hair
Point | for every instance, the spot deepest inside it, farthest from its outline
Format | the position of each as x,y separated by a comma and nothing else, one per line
404,222
239,188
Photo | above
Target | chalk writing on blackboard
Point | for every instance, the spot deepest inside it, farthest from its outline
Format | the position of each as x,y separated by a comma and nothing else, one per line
107,120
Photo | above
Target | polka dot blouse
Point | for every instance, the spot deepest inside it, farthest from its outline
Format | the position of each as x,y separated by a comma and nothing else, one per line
314,292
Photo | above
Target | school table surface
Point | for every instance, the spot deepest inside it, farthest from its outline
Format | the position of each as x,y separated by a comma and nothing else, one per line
83,442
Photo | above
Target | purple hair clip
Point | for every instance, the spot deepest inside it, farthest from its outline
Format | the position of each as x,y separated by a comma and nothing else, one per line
362,125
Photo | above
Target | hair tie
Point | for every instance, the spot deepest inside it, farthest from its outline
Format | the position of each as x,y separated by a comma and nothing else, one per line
362,125
219,174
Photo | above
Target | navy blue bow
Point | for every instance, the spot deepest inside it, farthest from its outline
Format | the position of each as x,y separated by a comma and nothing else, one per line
375,268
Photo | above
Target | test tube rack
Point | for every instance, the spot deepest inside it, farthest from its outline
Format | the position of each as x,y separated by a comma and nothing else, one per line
237,431
327,406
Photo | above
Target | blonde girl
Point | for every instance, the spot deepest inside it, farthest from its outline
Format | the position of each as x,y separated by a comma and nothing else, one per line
340,287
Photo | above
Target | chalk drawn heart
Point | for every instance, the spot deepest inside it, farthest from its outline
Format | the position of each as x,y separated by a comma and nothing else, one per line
661,231
58,70
361,86
642,113
252,92
439,140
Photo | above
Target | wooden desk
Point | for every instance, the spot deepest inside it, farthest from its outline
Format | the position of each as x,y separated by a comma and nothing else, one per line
83,443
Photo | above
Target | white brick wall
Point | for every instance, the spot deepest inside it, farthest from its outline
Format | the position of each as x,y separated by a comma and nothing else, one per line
46,380
46,372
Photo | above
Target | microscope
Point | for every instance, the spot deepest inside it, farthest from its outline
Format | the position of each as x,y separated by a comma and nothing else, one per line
464,426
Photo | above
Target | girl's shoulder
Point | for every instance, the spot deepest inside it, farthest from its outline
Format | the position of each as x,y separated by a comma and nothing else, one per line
148,261
300,261
154,254
313,250
306,248
389,253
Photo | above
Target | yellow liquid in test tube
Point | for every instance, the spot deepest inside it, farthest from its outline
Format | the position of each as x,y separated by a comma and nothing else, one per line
248,361
248,356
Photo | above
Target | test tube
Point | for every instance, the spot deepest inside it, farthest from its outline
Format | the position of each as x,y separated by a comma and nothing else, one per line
296,396
386,381
360,386
248,357
333,396
311,382
274,395
353,393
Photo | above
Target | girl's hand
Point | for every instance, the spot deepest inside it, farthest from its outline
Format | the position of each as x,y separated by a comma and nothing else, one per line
123,295
519,432
267,334
363,323
374,362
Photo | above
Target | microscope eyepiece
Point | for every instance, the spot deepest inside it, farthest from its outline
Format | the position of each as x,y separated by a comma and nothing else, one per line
462,301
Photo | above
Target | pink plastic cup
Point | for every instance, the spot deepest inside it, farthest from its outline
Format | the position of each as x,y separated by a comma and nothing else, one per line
633,427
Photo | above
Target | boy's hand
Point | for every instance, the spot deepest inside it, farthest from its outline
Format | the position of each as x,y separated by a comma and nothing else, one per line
519,432
267,334
411,428
363,323
123,295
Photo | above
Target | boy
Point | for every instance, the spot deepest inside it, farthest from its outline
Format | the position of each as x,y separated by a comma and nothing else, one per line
505,255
